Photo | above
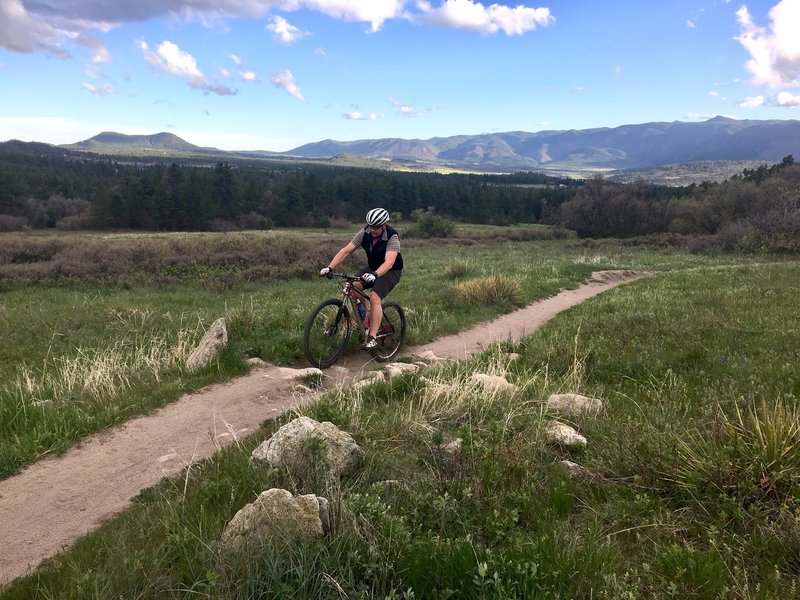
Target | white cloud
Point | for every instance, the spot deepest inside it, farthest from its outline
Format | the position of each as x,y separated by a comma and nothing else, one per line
713,94
752,102
104,90
285,80
283,31
374,12
690,24
249,76
787,99
354,115
235,58
474,16
407,110
171,59
774,51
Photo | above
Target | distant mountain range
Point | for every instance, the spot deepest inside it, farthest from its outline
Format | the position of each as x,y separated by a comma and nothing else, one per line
640,146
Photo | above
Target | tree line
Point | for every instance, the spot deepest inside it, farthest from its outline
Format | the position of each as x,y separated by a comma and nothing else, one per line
61,190
756,210
43,187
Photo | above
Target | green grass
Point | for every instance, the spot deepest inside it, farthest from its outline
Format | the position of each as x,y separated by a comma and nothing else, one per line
697,448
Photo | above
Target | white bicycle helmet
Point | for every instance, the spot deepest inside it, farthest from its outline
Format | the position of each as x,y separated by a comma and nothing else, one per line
377,217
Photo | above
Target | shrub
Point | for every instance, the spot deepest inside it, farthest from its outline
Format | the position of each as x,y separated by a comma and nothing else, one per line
12,223
430,225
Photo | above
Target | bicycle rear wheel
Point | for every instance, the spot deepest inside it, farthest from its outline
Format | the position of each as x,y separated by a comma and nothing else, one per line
327,333
391,333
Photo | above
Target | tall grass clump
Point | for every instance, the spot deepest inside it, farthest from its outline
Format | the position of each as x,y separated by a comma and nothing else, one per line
457,269
493,289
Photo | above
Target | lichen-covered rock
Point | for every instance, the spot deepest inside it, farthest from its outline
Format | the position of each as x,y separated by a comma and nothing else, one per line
579,473
289,448
279,517
573,404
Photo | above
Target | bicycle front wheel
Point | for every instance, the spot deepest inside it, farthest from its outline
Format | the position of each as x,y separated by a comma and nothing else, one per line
327,333
391,333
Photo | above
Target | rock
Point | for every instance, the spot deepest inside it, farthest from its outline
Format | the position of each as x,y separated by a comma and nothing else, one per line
302,389
579,473
288,448
394,370
564,435
277,516
256,362
288,374
514,356
438,388
430,356
494,383
215,339
573,404
448,456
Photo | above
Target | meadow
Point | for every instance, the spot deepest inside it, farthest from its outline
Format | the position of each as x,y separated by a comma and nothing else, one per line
696,456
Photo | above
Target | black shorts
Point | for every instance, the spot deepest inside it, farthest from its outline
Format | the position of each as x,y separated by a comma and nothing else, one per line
383,284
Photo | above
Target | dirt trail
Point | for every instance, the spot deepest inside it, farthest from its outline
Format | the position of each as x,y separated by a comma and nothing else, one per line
52,503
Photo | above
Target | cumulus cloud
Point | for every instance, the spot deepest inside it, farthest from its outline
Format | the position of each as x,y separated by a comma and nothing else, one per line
355,115
285,80
787,99
283,31
474,16
774,50
713,94
171,59
50,25
752,102
374,12
22,32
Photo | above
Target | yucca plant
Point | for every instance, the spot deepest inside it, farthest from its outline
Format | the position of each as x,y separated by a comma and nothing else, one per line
752,455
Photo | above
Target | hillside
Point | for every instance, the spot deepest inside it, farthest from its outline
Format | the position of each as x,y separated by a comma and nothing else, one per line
112,142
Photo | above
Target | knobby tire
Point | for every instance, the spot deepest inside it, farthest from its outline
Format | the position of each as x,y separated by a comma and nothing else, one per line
325,340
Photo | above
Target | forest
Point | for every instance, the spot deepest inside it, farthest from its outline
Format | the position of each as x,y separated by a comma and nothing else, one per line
42,187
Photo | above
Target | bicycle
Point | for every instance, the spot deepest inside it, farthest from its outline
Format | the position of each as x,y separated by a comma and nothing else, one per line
330,325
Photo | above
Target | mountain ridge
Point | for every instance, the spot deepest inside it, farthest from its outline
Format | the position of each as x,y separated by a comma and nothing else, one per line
630,146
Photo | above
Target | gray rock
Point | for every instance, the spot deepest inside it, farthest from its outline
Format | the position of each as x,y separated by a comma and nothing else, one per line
579,473
564,435
288,448
573,404
278,516
215,339
494,383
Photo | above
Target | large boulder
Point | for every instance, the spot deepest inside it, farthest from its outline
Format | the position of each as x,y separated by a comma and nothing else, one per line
290,448
215,339
279,517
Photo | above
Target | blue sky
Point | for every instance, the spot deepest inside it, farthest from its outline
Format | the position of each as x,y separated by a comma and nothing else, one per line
276,74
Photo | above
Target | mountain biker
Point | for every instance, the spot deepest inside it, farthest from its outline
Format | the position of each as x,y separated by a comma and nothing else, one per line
382,245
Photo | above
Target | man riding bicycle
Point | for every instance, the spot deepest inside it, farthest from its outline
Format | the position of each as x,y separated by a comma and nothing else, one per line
382,245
